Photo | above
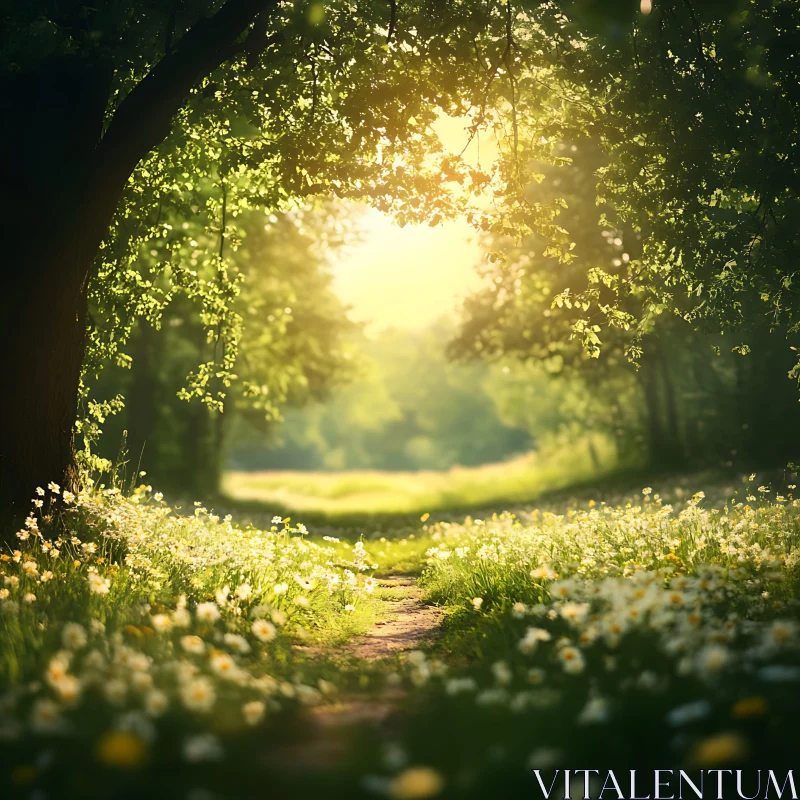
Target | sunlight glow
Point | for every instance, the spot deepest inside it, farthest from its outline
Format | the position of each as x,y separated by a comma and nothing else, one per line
409,277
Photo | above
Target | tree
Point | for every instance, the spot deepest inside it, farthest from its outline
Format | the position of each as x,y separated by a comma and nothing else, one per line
292,349
113,110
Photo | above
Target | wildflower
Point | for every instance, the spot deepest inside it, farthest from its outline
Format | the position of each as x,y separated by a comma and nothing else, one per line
47,575
73,636
30,568
68,689
690,712
477,602
532,638
720,750
595,711
780,633
244,591
67,496
572,660
193,644
115,690
280,588
181,618
502,672
542,573
40,491
306,583
54,487
45,716
122,749
263,631
253,712
222,595
98,584
237,643
749,707
203,747
574,612
713,658
198,694
369,585
29,598
223,665
207,612
302,601
155,703
161,622
416,782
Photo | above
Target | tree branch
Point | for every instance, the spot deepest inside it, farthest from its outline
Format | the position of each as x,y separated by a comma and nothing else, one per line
143,118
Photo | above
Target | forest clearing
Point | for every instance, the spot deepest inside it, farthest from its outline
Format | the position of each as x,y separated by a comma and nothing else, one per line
400,399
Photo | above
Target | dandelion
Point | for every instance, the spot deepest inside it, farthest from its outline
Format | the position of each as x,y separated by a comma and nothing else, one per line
263,631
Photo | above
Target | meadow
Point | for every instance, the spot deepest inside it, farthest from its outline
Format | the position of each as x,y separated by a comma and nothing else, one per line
146,647
376,493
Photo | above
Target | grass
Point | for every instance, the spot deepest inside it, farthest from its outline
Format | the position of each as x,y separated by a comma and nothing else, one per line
146,653
366,494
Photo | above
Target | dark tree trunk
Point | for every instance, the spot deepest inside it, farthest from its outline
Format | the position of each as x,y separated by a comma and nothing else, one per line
62,175
51,227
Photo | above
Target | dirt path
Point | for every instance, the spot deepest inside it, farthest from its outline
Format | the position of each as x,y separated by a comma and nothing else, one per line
406,624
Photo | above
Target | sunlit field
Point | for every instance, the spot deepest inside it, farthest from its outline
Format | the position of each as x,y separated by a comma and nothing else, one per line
339,494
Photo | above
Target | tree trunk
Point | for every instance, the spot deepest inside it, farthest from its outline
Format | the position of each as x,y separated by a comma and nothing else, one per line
51,227
62,176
